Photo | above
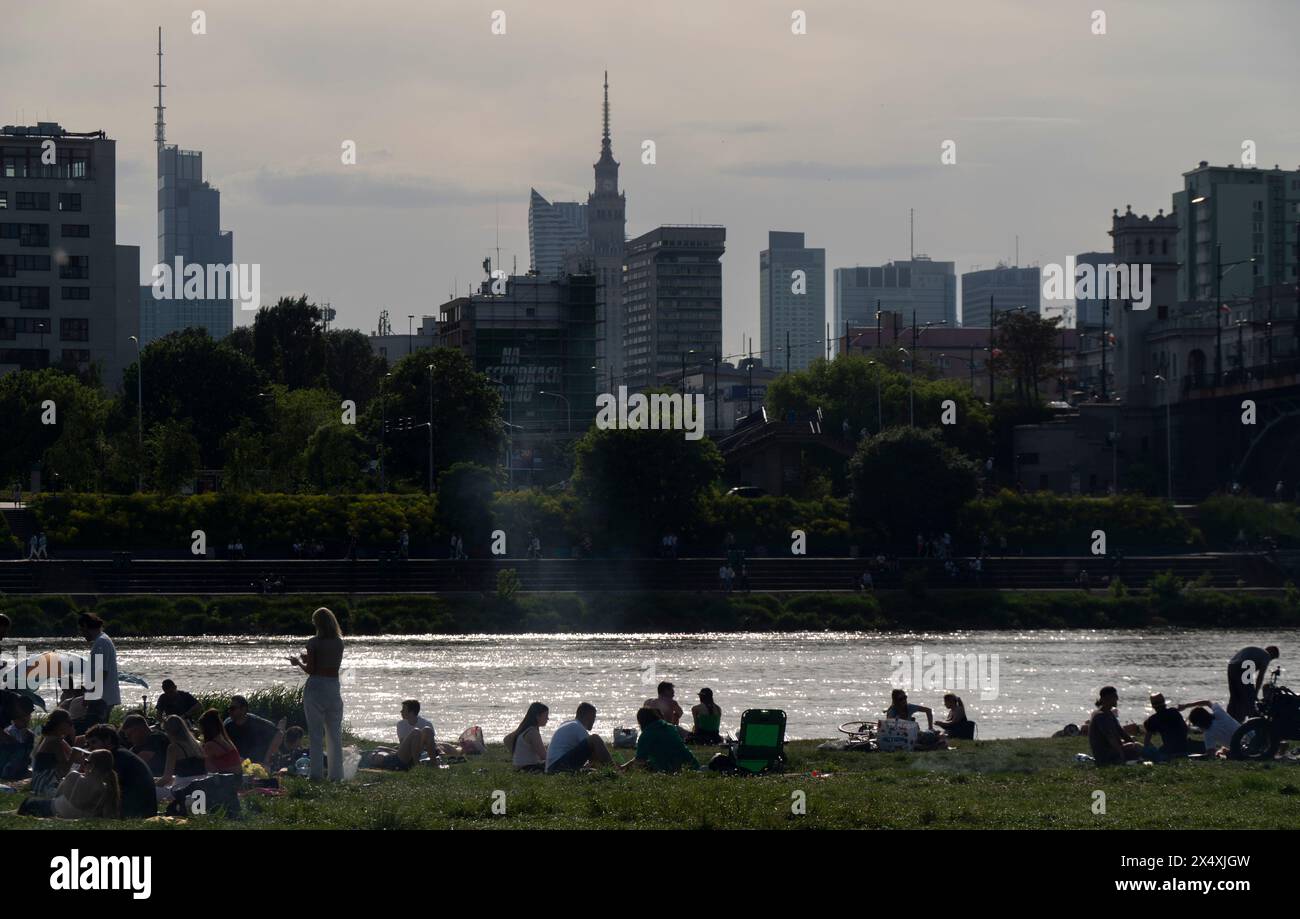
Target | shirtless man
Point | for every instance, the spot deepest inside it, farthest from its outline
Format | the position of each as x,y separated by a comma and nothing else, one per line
665,705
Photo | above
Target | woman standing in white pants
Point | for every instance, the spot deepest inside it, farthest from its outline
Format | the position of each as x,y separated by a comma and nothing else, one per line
321,697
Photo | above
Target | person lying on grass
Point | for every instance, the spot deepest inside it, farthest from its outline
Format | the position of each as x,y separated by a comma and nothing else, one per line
574,747
660,747
1110,743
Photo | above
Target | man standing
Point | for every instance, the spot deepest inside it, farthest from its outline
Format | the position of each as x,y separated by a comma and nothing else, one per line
1246,673
102,690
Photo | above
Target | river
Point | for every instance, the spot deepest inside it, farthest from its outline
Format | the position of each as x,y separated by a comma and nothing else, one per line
1043,678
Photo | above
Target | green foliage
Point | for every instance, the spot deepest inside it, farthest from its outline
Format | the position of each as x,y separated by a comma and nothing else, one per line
768,521
1224,517
335,459
637,485
465,493
1044,523
173,454
908,480
507,584
70,446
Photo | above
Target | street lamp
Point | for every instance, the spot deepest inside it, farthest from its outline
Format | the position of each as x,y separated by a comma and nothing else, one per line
139,416
410,333
383,430
567,408
911,388
430,429
879,422
1169,441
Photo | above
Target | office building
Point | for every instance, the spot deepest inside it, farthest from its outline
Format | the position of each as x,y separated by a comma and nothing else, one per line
920,284
554,231
672,298
792,302
1005,287
189,228
68,292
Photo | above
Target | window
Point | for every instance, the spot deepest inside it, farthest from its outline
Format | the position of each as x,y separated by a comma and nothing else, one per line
75,293
69,201
10,265
76,231
11,327
4,200
28,298
33,201
74,329
25,358
75,357
27,234
77,268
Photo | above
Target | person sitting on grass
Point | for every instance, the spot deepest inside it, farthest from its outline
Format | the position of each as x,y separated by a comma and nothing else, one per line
255,737
524,743
903,710
573,746
54,754
1109,742
1169,724
134,781
708,719
150,745
17,740
220,754
185,759
665,704
176,702
957,724
660,747
415,736
82,795
1216,725
291,749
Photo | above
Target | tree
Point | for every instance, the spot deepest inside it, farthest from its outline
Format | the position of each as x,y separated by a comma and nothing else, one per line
466,415
465,496
246,460
294,416
1027,349
907,481
637,485
352,368
288,343
190,377
173,454
335,459
52,421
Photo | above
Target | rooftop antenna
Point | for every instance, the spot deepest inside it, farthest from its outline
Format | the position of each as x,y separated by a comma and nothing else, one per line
159,128
497,263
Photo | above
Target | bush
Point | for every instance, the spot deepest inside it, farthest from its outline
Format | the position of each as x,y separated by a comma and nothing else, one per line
1224,517
1045,523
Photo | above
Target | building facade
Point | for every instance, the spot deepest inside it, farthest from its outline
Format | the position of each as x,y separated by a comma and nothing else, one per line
791,301
672,298
920,284
1004,288
68,292
555,229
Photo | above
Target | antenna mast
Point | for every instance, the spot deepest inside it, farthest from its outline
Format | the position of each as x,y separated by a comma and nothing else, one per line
159,128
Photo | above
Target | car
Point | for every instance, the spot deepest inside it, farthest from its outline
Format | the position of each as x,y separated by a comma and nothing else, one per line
748,491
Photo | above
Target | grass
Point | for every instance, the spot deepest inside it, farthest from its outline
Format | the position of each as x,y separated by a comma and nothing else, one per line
1005,784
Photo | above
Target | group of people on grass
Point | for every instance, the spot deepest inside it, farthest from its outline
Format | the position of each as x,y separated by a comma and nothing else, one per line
1112,742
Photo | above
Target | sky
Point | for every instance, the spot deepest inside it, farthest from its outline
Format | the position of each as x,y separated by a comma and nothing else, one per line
837,132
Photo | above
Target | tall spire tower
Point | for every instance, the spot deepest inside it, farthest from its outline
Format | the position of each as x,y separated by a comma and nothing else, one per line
606,234
160,126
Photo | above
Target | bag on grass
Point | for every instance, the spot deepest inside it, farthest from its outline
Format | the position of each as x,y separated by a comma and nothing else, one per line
471,740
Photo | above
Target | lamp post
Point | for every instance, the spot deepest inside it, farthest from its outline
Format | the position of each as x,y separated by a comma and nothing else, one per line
431,429
139,413
383,429
911,388
879,423
1169,441
567,408
410,333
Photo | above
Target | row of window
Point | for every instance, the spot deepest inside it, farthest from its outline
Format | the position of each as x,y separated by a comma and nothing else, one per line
38,298
74,267
36,358
39,201
69,329
25,163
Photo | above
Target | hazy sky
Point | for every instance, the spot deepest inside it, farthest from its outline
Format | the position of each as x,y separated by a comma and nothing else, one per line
835,133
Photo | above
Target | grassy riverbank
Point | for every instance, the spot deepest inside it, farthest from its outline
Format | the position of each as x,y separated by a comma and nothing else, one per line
1009,784
1167,602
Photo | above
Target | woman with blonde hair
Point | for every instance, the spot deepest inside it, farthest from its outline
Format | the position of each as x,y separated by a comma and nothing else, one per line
185,759
94,793
322,698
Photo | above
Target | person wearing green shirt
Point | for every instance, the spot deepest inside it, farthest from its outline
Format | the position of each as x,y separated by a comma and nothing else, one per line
660,747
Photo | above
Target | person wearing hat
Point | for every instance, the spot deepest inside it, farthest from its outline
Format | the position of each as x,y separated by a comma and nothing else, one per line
708,719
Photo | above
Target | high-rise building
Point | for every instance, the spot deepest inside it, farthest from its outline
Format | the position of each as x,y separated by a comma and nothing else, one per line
1238,224
919,284
1008,287
554,231
607,239
1088,310
189,228
672,298
791,301
68,292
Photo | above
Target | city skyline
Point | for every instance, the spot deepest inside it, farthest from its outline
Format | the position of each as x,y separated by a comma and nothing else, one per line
423,205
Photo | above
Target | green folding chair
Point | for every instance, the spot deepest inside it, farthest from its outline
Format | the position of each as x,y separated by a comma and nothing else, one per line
761,745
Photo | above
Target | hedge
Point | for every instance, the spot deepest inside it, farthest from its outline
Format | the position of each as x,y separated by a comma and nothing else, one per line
1045,524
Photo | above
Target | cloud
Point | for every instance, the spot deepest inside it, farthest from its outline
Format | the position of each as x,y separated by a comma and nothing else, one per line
351,187
811,170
